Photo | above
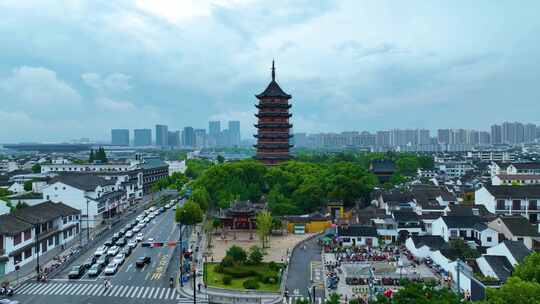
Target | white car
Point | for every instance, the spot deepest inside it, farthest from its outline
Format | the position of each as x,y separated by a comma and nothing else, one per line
111,269
137,229
139,237
149,240
129,234
113,250
132,244
101,251
119,259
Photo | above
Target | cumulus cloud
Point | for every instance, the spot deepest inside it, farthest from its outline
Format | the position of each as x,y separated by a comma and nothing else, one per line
111,82
108,104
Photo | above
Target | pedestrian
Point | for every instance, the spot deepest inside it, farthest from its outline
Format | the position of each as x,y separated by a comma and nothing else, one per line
199,287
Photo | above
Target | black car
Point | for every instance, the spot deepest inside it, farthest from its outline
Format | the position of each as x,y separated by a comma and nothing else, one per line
141,261
162,209
121,242
103,260
126,251
116,236
95,270
76,272
109,242
90,261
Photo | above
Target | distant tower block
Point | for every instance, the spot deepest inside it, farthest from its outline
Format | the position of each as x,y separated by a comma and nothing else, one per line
273,127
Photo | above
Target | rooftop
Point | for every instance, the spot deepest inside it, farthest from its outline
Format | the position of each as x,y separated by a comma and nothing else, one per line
508,191
87,182
273,89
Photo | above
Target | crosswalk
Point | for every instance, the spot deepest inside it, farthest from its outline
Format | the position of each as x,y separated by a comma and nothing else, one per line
122,291
297,298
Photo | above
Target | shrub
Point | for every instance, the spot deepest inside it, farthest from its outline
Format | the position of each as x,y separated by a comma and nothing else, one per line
274,266
238,254
227,280
251,284
219,268
255,255
227,262
271,280
239,272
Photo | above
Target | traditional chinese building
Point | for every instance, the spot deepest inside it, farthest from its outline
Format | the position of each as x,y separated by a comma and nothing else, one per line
241,215
273,126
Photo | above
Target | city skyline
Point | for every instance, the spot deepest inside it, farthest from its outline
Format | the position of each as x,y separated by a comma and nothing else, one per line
377,69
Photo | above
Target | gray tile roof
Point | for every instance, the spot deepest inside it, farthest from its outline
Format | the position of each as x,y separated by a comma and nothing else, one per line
464,222
44,212
87,182
507,191
10,224
517,249
434,242
520,226
500,265
357,230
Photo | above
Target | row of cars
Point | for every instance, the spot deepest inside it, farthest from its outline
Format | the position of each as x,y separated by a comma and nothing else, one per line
109,257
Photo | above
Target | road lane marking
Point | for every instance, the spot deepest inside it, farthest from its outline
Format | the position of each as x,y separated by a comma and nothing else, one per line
39,288
23,288
75,290
85,288
42,290
140,292
94,290
162,292
125,293
145,292
118,291
62,289
56,288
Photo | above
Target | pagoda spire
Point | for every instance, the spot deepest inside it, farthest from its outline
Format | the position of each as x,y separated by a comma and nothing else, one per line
273,71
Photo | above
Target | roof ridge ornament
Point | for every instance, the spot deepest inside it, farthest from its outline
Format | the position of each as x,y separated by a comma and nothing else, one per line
273,71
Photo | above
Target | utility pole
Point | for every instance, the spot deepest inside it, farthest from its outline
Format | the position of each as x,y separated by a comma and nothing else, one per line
181,257
36,228
87,223
458,269
194,282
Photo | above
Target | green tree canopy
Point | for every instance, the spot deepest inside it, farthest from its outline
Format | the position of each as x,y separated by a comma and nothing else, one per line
421,293
264,227
36,168
189,214
237,254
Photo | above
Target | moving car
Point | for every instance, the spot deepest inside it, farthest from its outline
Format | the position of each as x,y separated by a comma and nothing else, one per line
76,272
139,237
7,301
90,261
109,243
141,261
116,236
95,270
113,250
129,234
111,269
126,251
121,242
132,244
103,260
119,259
101,251
137,229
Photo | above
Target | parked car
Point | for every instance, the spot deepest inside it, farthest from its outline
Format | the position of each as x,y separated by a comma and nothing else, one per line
141,261
76,272
113,250
119,259
90,261
95,270
111,269
101,251
103,260
116,236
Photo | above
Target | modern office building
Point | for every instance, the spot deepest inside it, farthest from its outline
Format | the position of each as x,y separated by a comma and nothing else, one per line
173,139
142,137
214,133
162,135
120,137
496,134
200,138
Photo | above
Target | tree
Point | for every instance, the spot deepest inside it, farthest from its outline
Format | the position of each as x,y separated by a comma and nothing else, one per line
463,250
201,197
36,168
27,185
189,214
334,298
529,269
220,159
237,254
92,156
255,255
421,293
514,291
264,227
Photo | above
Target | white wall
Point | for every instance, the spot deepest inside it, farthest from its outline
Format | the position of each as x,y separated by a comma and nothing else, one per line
501,249
483,197
438,227
485,268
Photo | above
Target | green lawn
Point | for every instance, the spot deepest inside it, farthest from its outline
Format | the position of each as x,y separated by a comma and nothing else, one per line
215,279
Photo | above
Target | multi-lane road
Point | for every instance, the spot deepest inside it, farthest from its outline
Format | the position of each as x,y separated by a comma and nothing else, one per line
149,284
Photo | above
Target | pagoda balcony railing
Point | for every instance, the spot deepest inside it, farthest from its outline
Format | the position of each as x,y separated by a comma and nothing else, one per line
276,157
273,125
273,136
273,114
273,146
273,105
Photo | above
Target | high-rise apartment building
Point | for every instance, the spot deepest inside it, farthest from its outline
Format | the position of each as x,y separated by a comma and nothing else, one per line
234,133
120,137
214,133
530,133
443,136
496,134
382,138
173,139
162,135
200,138
142,137
188,137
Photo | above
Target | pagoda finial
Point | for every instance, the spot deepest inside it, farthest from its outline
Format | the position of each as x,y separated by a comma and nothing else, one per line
273,71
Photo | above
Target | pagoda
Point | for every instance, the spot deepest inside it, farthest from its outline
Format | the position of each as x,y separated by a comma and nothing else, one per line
273,124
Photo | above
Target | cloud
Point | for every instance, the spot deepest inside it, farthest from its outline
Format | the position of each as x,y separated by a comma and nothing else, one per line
111,82
37,87
108,104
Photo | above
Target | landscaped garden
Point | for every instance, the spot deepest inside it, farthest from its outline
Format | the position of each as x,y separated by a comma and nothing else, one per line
244,271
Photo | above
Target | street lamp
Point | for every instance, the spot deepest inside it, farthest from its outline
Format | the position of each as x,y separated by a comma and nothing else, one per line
181,257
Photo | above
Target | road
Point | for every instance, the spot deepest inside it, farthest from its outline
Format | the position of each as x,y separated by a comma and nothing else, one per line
305,270
130,284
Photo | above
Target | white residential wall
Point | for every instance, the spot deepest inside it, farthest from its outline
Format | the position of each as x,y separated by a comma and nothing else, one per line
485,268
73,197
438,227
361,241
483,197
419,253
489,233
501,249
